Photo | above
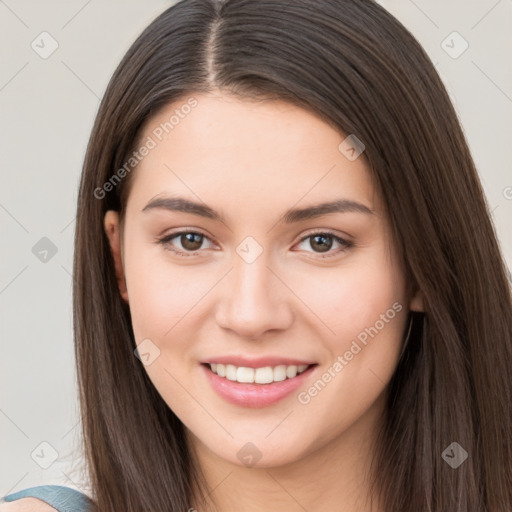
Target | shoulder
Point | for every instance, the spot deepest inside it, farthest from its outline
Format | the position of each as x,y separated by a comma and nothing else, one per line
46,498
26,505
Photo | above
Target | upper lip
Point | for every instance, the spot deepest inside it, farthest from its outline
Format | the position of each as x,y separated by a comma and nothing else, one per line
257,362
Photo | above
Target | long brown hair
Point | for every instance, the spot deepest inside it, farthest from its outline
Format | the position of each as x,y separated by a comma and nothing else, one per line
358,68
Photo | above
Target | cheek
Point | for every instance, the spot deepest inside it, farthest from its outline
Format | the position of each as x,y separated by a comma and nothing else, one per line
161,294
351,298
162,297
365,312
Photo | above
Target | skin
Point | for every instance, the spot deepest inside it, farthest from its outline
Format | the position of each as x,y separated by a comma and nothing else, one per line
252,161
27,505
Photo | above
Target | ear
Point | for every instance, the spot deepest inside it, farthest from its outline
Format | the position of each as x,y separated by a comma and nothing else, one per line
416,303
112,229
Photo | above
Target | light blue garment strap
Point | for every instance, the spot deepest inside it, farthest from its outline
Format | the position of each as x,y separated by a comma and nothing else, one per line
64,499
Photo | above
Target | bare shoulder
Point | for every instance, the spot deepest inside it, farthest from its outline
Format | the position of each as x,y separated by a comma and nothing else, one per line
26,505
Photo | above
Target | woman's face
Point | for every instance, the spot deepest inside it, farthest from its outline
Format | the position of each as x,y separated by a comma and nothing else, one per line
254,277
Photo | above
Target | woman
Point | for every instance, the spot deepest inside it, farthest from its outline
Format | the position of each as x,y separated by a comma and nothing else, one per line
224,361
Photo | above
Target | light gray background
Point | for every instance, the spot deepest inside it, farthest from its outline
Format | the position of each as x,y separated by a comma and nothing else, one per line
47,110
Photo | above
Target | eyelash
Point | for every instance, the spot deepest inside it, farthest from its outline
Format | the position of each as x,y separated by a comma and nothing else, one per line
166,240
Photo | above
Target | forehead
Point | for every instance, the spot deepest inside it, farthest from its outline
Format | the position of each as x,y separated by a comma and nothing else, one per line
227,148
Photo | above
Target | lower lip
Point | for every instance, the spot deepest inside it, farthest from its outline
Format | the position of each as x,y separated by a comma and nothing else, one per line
255,395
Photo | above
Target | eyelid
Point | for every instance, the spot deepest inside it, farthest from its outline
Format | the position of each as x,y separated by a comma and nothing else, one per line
326,231
165,239
344,242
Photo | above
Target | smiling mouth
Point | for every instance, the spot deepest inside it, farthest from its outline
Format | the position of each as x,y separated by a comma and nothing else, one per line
263,375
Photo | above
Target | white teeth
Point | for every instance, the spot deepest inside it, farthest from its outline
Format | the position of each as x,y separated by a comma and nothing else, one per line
245,374
264,375
291,371
230,372
279,373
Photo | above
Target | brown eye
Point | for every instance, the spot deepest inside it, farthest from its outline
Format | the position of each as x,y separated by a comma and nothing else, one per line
322,242
189,242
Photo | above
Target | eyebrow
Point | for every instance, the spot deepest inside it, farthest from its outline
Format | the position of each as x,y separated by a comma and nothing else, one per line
180,204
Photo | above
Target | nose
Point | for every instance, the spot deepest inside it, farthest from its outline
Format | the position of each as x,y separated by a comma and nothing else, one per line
254,300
